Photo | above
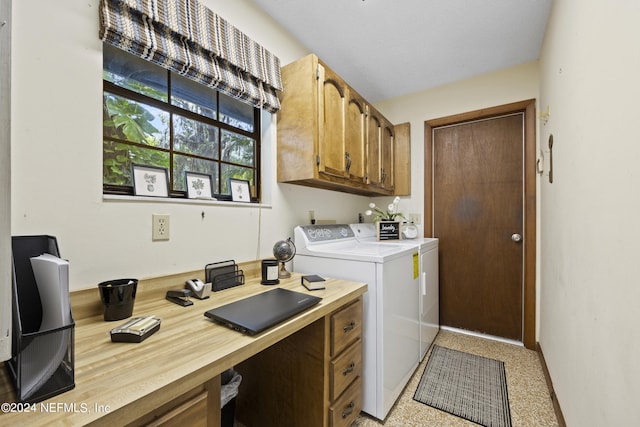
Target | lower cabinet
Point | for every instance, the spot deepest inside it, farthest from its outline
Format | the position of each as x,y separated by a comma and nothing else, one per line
199,407
191,413
345,382
345,410
312,378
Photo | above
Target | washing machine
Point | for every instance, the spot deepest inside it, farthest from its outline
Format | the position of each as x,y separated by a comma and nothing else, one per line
426,268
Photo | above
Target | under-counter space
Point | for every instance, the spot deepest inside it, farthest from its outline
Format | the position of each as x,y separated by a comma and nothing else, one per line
177,367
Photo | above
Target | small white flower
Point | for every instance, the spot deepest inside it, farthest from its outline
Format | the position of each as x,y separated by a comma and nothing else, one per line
368,212
391,207
372,205
396,200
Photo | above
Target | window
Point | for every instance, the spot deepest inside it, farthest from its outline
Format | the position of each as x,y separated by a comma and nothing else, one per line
154,117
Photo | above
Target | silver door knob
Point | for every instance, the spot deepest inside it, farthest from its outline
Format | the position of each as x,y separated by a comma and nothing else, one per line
516,237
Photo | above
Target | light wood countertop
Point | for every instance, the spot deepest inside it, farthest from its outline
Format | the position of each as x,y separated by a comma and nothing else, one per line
116,383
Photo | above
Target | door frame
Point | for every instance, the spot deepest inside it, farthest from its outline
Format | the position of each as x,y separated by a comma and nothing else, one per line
528,107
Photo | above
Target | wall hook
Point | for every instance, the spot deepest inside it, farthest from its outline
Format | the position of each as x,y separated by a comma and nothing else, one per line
545,116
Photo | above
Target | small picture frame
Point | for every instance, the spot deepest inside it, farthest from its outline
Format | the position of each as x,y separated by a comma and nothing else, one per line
199,185
150,181
388,230
240,190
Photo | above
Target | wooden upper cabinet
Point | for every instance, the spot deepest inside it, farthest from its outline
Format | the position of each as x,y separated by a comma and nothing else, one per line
386,156
374,141
380,138
402,159
331,120
354,140
327,136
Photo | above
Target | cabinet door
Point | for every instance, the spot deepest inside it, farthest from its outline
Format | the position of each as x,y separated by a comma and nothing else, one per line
402,159
355,137
379,151
374,136
386,156
331,148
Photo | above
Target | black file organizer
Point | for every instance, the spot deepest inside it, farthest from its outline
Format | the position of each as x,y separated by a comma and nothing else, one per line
42,363
223,275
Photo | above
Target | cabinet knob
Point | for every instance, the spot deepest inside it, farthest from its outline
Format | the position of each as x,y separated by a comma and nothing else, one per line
349,369
349,326
348,161
348,410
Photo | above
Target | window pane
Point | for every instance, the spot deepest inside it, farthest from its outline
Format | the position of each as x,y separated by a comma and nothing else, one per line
134,121
192,137
238,172
136,74
236,113
193,96
184,163
237,148
118,157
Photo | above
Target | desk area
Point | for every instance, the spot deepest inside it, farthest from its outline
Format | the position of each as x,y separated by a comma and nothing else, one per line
173,377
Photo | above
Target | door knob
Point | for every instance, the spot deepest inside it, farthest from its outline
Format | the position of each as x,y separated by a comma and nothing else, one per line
516,237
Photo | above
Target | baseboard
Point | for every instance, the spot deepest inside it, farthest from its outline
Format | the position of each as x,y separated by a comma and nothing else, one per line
481,335
552,393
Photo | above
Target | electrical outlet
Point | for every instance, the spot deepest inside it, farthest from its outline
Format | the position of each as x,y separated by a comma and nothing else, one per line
415,218
160,227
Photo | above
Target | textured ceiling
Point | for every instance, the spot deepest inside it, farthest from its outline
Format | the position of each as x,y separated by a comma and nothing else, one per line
389,48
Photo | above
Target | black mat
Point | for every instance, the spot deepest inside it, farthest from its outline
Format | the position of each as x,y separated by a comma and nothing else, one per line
467,386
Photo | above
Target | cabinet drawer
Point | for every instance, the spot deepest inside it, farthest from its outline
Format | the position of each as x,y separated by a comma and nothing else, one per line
192,413
345,368
346,327
346,409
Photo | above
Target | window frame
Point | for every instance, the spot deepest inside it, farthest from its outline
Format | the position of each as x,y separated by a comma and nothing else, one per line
171,109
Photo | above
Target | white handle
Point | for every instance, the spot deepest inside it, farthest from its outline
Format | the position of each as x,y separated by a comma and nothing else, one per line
424,283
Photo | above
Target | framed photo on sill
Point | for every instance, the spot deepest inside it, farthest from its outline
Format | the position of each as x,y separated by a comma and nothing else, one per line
199,185
150,181
240,190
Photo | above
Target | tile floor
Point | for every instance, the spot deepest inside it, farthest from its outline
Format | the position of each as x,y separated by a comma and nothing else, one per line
529,399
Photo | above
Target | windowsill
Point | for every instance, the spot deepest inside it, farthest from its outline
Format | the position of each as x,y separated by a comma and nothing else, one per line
199,202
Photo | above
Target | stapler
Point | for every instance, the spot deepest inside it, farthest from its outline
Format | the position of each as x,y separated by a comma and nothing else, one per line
199,289
180,297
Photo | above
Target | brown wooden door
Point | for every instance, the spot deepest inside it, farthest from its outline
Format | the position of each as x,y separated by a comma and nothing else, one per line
477,210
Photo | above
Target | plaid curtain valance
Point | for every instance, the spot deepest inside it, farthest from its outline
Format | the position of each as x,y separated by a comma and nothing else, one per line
188,38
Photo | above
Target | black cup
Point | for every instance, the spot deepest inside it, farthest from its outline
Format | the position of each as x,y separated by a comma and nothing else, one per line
117,298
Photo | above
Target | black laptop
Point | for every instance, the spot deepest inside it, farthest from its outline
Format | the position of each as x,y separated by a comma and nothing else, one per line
256,313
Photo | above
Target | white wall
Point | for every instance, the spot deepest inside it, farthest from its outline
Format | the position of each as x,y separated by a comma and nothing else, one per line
590,292
56,159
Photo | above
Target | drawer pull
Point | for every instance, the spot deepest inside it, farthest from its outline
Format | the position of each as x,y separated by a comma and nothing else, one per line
350,326
349,369
349,410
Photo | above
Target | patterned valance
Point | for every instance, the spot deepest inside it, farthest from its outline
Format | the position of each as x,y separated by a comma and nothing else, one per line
188,38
